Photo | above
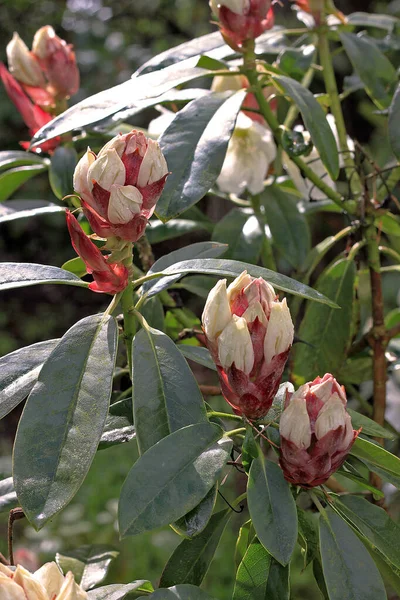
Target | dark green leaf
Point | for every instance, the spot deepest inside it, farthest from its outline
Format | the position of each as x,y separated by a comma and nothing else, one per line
179,592
349,571
363,19
197,284
8,497
362,483
233,268
194,146
12,179
325,329
296,61
389,224
19,372
153,311
378,459
308,535
369,427
63,419
241,230
15,275
198,354
278,584
118,591
190,561
20,209
17,158
89,564
243,541
166,396
252,574
374,523
62,167
160,232
289,227
200,250
394,124
356,370
118,428
171,478
196,520
315,122
250,448
319,578
272,509
371,65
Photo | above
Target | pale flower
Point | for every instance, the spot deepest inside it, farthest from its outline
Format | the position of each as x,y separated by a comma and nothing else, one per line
48,583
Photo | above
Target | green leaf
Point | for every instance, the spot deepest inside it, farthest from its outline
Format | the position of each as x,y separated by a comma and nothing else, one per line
327,330
160,232
194,146
369,427
272,509
233,268
197,284
296,61
12,179
118,428
250,448
128,95
198,355
16,275
389,224
63,418
171,478
190,561
179,592
394,124
118,591
356,370
252,575
241,230
17,158
89,564
363,19
315,122
19,372
349,571
243,541
62,167
166,396
196,520
200,250
374,523
371,65
378,459
20,209
278,584
289,227
75,266
153,311
308,535
8,497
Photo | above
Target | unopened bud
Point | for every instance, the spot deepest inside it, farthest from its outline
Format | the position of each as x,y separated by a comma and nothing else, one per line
242,20
295,423
235,347
51,578
153,166
125,203
22,64
107,170
216,314
280,331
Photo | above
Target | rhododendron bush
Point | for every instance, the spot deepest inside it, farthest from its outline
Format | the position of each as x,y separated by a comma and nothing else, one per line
250,115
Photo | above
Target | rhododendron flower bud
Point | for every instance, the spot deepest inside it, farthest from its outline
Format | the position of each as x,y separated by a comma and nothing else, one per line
48,583
316,432
57,60
249,334
119,188
23,64
109,278
242,20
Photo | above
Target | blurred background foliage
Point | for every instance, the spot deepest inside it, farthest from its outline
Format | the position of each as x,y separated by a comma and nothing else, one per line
111,40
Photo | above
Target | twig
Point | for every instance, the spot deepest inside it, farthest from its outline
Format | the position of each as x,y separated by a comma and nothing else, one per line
210,390
15,515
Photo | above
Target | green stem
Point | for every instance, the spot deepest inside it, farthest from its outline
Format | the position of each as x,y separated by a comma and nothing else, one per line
336,109
234,432
318,504
387,186
239,500
129,322
390,252
267,256
222,415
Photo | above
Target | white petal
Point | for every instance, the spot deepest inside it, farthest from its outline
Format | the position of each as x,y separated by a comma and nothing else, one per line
331,416
125,203
22,65
107,170
33,589
41,41
51,578
71,590
280,331
237,285
117,143
216,313
295,423
234,346
154,165
81,183
9,590
253,311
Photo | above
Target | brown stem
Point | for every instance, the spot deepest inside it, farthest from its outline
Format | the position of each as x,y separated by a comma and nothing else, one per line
210,390
145,252
15,515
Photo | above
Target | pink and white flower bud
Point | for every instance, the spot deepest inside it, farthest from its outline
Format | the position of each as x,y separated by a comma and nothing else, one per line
241,323
23,64
316,432
242,20
120,186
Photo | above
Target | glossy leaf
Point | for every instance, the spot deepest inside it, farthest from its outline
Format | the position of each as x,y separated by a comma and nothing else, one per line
233,268
12,179
153,311
349,571
171,478
194,146
195,521
160,232
252,575
118,428
166,396
289,227
8,497
369,427
375,524
190,561
315,122
393,125
19,371
272,509
62,167
308,535
198,355
197,284
389,224
327,330
89,564
179,592
363,19
20,209
118,591
200,250
16,275
278,584
63,418
17,158
377,459
371,65
241,230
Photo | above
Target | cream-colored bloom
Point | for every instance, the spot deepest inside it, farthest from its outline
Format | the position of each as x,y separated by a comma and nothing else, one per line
251,150
242,281
295,422
280,331
22,64
81,183
235,346
216,313
107,170
331,416
154,165
125,203
41,40
51,578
